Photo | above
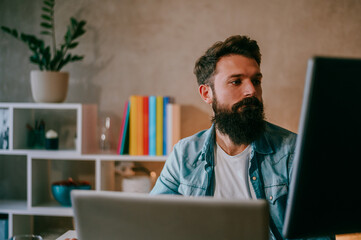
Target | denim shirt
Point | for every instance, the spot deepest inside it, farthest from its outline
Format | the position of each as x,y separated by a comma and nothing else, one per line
189,170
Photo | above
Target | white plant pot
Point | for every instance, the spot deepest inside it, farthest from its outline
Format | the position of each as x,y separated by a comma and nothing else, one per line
49,87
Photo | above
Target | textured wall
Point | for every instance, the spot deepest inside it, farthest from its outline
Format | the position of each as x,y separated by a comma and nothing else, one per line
150,46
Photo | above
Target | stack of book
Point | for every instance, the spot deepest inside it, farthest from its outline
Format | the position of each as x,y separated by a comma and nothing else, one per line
150,126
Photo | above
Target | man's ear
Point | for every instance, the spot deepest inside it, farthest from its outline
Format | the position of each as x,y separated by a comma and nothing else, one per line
206,93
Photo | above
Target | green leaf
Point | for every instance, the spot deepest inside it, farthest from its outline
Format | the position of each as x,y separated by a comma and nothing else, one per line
78,33
6,29
46,25
48,3
82,23
45,9
68,36
77,58
46,17
73,45
73,22
35,59
15,33
10,31
23,37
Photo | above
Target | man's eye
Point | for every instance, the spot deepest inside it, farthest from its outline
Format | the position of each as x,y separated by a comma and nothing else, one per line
236,82
256,82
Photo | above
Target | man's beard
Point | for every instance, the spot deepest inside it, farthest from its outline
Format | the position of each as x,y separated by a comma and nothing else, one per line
244,123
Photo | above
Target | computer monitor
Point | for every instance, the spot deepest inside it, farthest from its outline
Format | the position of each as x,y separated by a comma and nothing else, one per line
325,189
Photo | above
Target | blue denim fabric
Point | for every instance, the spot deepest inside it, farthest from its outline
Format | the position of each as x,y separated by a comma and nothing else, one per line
189,170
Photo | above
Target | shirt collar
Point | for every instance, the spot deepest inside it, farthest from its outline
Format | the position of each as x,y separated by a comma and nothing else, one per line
262,145
209,145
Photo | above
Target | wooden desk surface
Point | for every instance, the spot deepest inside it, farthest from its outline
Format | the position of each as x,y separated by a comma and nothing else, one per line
353,236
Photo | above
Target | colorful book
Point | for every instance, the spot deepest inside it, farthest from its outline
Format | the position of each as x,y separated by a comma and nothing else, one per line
124,146
145,125
166,101
175,128
152,125
169,126
140,126
122,127
173,125
159,126
133,126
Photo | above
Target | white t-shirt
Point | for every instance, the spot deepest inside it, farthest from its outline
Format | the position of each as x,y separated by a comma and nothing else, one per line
231,172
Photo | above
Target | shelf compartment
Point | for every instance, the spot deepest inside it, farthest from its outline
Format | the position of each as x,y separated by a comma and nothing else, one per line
47,171
49,227
29,132
13,182
112,179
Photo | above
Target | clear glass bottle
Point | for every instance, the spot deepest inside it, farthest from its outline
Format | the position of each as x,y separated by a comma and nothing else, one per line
105,135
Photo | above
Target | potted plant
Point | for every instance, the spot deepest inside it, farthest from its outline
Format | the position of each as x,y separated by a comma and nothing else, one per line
49,84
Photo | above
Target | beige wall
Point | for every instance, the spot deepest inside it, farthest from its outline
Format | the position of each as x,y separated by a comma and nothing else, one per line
150,46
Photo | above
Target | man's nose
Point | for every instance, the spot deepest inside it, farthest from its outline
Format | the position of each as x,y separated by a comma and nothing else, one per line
249,89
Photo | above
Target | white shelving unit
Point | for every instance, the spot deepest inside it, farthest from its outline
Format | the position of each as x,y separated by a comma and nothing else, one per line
27,171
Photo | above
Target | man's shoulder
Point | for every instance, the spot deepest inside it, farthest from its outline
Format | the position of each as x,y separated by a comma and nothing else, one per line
197,140
279,137
278,131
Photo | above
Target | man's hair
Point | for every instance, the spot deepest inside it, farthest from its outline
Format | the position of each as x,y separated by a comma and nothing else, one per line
234,45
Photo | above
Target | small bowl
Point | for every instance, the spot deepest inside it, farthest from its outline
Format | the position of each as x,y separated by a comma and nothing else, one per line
61,190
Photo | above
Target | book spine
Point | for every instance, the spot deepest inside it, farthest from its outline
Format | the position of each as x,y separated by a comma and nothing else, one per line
140,126
176,124
133,126
124,148
169,127
146,125
152,125
121,132
165,116
159,128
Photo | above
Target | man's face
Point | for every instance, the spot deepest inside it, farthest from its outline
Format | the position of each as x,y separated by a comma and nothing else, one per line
236,77
237,99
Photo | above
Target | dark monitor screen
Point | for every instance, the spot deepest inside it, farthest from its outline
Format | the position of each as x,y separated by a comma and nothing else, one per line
325,189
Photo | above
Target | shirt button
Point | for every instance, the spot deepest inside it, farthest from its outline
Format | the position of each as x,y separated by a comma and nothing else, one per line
270,198
254,178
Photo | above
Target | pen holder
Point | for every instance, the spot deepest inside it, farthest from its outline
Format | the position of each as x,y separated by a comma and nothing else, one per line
36,139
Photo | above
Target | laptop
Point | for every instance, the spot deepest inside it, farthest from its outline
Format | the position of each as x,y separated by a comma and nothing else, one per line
139,216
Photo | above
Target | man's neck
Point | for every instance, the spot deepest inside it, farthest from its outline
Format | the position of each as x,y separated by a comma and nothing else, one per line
227,144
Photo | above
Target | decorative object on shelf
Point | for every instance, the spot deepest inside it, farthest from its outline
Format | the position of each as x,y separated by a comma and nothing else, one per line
46,86
49,86
105,142
61,190
51,140
4,128
135,178
36,135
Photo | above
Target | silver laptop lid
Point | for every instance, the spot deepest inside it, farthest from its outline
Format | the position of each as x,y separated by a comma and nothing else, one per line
118,215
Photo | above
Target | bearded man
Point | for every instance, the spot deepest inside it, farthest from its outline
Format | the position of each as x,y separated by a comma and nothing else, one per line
241,156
